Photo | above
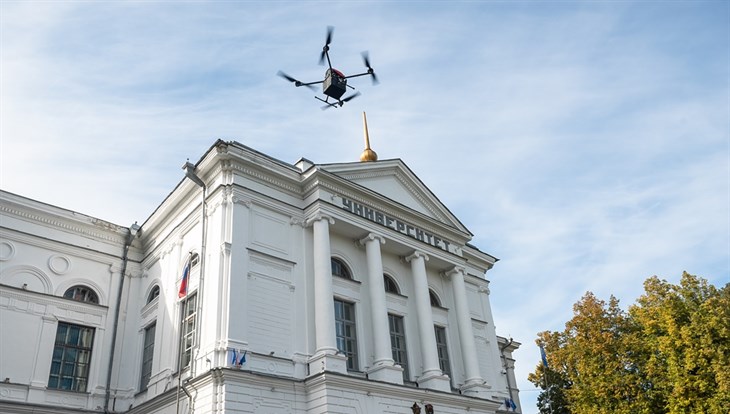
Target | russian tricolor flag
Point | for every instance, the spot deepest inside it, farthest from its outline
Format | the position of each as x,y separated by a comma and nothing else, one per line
184,283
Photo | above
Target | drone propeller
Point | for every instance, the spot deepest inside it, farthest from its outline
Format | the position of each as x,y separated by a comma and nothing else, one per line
294,81
366,61
327,42
349,98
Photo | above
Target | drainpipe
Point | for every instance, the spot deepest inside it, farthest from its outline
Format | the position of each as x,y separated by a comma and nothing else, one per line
132,233
506,367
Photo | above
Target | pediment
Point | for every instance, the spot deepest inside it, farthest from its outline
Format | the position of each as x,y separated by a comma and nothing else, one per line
394,180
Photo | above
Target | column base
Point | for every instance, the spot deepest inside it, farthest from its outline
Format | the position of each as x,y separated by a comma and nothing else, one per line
387,373
325,361
476,388
435,380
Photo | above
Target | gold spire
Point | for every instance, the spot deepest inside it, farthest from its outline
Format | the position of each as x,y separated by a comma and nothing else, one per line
367,154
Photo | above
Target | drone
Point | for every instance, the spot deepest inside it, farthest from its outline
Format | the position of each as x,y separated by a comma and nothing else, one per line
334,84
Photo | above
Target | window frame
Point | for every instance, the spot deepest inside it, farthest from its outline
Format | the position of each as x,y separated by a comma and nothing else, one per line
434,299
148,351
154,294
442,349
82,293
390,284
188,329
66,349
347,344
340,268
398,343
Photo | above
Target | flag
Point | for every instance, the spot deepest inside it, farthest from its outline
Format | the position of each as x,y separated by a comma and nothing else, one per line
184,282
512,404
543,356
238,357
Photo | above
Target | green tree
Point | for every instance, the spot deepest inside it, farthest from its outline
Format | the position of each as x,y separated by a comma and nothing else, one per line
687,342
670,353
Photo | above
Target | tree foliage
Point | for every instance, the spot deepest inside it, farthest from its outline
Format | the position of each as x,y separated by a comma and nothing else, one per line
669,353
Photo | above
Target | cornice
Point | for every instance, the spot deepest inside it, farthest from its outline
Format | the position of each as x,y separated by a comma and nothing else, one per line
268,178
90,230
55,246
51,300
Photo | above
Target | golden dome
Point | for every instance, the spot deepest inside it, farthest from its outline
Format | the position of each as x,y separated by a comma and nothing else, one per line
368,155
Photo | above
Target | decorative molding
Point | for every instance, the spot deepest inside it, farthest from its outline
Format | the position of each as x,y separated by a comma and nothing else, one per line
54,302
370,237
317,217
416,254
110,235
59,264
7,250
267,178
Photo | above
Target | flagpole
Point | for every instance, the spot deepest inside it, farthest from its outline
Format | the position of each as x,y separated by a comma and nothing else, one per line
186,275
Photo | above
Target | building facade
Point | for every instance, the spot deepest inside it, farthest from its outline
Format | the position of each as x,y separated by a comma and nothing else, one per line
256,286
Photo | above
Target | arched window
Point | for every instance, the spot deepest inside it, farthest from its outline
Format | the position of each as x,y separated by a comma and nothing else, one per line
154,293
434,299
82,294
340,269
390,285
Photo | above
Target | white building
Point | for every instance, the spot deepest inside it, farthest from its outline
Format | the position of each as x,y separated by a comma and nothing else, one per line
334,288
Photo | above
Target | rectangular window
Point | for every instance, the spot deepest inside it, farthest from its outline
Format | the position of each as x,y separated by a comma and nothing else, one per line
147,352
188,326
71,357
345,331
443,350
398,343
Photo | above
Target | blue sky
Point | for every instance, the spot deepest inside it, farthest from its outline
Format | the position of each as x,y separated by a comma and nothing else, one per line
585,144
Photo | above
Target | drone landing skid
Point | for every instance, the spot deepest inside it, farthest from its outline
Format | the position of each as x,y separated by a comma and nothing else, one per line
329,104
338,103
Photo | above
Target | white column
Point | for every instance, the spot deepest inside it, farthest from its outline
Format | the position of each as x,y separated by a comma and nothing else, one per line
466,334
383,368
324,311
325,356
432,377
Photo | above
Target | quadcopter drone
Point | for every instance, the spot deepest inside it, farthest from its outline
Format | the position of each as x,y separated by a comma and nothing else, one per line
334,84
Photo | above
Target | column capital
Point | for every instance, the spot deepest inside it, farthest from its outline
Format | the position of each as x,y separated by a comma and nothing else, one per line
317,217
454,270
371,237
415,255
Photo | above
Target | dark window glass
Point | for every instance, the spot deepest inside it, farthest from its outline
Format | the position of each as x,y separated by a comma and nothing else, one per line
71,357
398,343
188,325
443,350
434,299
390,285
81,294
147,353
346,332
154,293
340,269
